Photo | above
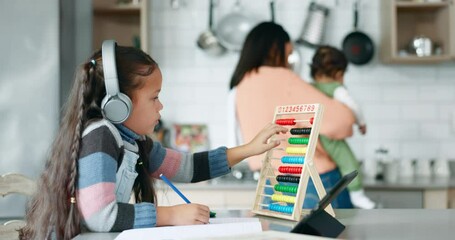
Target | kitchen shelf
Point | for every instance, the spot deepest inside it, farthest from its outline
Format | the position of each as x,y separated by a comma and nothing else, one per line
126,23
404,20
422,5
121,9
415,59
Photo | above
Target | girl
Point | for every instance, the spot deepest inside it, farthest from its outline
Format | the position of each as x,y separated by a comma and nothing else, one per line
95,165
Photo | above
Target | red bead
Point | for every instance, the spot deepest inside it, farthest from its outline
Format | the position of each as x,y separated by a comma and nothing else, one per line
285,121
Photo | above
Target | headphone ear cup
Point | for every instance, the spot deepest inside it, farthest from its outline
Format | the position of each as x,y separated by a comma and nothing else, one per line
116,108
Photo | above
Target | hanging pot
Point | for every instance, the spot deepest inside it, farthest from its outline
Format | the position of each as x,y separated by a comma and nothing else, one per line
357,46
208,41
233,28
314,26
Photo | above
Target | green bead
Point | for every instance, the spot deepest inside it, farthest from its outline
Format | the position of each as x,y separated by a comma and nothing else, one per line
298,140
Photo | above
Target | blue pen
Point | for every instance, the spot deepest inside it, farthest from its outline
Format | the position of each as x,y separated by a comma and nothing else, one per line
166,180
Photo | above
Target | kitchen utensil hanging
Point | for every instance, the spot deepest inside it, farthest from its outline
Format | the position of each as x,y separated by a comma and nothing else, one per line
314,27
208,41
294,59
233,28
357,46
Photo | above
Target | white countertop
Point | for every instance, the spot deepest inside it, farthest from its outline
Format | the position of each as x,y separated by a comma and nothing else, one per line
381,224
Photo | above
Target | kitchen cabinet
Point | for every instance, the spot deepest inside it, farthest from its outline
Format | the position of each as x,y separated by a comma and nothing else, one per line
403,20
124,21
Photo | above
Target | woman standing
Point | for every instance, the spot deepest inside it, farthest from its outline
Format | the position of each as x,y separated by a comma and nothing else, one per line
263,80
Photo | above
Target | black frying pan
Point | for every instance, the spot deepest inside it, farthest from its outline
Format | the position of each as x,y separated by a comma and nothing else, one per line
357,46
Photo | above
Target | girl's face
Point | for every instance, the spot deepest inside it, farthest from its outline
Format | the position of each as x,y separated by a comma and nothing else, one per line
146,105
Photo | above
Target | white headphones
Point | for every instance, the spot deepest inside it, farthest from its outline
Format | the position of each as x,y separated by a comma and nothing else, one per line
116,106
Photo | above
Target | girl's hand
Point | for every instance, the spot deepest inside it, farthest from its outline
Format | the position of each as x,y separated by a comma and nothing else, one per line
257,146
183,214
260,143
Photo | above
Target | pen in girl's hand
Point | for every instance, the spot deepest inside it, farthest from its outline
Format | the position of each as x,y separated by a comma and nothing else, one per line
166,180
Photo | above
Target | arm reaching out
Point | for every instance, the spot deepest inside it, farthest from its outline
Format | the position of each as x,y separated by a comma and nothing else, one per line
258,145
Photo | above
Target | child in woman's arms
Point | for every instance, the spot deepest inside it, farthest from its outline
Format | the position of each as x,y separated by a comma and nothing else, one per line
327,69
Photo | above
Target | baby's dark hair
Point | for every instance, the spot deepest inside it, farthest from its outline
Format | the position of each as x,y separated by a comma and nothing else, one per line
327,61
53,209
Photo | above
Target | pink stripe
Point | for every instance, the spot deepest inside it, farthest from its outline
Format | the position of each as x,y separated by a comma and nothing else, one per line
170,165
94,198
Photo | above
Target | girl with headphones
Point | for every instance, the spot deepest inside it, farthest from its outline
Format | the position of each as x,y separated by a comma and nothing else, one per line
102,154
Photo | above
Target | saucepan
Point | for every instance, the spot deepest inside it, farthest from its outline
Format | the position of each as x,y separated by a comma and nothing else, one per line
233,28
208,41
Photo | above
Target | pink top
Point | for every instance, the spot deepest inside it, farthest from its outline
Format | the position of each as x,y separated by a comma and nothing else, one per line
260,92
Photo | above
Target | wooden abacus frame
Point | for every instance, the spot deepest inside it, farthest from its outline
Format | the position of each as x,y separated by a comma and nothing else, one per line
308,168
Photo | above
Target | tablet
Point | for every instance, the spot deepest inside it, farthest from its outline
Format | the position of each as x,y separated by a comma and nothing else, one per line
333,193
319,222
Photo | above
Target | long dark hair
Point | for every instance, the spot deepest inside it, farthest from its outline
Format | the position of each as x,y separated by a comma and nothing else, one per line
263,46
54,206
327,61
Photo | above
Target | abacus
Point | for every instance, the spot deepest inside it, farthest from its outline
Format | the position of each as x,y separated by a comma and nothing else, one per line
289,182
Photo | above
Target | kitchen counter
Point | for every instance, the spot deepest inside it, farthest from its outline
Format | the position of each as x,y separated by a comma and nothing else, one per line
412,183
360,224
408,183
227,192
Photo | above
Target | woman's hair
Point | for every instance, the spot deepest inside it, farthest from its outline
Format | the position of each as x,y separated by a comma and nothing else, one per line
263,46
53,209
327,61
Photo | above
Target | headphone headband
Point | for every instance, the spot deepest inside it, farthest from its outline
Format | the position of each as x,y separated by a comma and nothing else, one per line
109,67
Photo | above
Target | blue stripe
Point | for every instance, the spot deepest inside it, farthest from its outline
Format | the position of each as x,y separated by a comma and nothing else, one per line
96,168
156,156
218,163
144,215
127,134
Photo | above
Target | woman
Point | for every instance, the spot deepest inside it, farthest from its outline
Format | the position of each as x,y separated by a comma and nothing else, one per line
263,80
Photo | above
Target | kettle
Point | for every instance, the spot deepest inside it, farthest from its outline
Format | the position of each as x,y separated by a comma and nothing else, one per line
421,46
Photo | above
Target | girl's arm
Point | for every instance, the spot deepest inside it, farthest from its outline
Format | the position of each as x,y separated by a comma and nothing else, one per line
187,167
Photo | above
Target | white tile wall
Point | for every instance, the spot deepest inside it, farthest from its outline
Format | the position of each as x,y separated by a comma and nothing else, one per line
410,109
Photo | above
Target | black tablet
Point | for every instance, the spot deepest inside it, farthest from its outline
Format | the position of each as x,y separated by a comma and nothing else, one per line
319,222
333,193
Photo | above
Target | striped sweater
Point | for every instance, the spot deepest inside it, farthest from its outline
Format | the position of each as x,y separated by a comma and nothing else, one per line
106,172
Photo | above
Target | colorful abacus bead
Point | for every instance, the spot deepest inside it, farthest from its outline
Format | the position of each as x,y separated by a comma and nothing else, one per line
284,188
293,159
288,178
285,121
292,170
300,131
296,150
293,140
280,208
283,198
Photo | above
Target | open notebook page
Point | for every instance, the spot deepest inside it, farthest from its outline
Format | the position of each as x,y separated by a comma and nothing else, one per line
218,229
